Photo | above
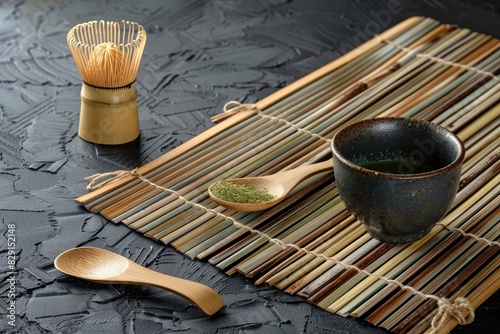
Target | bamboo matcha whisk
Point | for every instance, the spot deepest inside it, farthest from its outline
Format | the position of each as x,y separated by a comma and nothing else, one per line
107,55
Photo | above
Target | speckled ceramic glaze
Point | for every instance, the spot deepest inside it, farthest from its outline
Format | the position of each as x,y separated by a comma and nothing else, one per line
401,207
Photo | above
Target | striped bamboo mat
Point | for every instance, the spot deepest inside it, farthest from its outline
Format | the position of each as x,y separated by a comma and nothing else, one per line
309,244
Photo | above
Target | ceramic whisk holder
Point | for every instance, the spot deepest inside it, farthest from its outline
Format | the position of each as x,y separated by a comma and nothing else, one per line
109,115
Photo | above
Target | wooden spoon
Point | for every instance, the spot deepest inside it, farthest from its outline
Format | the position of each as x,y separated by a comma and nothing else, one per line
278,185
101,266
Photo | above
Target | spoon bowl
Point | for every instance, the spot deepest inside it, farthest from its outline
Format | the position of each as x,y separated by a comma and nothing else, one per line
101,266
279,185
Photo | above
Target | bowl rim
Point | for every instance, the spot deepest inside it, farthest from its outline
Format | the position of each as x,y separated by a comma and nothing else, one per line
445,169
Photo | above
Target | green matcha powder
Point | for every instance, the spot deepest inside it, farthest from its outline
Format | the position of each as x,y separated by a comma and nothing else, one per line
240,193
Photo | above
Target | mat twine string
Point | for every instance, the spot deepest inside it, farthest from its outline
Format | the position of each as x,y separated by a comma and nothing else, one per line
231,108
455,310
100,180
238,106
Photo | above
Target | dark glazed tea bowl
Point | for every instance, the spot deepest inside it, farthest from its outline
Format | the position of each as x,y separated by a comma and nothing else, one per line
398,176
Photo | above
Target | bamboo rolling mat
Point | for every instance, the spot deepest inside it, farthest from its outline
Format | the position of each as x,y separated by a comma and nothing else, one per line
309,244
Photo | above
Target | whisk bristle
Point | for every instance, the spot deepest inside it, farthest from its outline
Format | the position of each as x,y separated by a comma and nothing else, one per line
107,54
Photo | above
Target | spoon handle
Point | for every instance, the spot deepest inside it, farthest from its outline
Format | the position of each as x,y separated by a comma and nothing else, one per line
290,178
201,295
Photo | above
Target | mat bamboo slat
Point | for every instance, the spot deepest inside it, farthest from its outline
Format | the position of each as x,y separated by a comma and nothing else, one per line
309,245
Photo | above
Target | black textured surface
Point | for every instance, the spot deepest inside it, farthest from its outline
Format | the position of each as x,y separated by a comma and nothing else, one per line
199,55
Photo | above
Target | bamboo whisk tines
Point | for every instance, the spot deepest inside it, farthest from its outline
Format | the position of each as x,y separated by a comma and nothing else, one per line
107,54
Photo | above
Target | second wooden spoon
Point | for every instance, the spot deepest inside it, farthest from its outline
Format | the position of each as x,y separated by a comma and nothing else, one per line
101,266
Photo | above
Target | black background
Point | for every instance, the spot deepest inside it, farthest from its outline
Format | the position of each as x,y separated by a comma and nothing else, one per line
199,55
